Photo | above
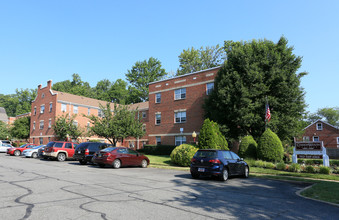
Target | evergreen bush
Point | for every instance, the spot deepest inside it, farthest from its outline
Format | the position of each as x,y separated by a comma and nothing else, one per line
294,167
248,147
210,136
310,169
183,154
270,147
324,170
281,166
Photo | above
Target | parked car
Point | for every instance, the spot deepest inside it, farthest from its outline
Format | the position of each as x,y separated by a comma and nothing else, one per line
61,150
221,163
32,152
41,152
85,151
5,142
120,156
16,151
4,147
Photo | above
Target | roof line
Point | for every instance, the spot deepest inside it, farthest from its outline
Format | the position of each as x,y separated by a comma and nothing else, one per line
187,74
319,120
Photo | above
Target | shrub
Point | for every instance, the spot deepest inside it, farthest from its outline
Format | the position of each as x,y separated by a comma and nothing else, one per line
310,169
324,170
15,144
210,136
183,154
269,165
294,167
251,162
281,166
259,163
270,147
248,147
158,149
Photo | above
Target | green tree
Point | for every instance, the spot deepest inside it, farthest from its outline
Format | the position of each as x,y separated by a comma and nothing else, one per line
65,126
143,73
4,131
119,92
20,129
116,124
75,87
102,89
192,60
210,136
253,71
270,147
248,147
330,115
18,103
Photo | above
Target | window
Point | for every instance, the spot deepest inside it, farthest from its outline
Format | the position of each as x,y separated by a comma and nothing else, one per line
180,117
63,107
315,138
34,125
158,98
306,138
158,139
50,107
68,145
49,139
180,94
43,95
179,140
41,140
42,109
41,125
33,140
157,118
75,123
89,111
227,155
209,88
144,127
319,126
337,140
235,157
75,109
88,126
143,114
34,110
49,123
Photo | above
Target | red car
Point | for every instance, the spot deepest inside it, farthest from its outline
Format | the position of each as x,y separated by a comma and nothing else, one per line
16,151
120,156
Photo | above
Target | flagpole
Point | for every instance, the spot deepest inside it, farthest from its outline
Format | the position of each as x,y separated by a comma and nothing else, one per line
266,113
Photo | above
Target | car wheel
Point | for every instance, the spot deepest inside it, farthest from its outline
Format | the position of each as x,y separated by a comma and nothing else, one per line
34,155
116,164
101,165
17,153
195,175
144,163
83,162
61,157
224,175
246,172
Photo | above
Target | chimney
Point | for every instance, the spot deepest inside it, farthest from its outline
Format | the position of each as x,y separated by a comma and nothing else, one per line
49,84
39,87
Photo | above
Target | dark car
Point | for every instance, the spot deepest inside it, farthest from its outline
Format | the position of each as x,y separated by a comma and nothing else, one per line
221,163
120,156
85,151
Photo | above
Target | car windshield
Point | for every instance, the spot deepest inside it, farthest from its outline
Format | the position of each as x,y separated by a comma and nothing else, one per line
37,147
109,149
206,154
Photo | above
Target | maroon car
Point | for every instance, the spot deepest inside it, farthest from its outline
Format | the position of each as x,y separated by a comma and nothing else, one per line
120,156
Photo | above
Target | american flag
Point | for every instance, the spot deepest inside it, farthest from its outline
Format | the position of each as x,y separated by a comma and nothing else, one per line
268,114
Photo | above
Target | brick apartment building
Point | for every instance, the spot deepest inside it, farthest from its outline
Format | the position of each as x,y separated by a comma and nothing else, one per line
174,110
175,107
50,104
322,131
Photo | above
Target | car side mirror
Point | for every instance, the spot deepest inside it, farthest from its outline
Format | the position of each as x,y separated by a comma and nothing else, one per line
241,159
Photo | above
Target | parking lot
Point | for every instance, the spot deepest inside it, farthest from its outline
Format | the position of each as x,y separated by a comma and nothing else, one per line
40,189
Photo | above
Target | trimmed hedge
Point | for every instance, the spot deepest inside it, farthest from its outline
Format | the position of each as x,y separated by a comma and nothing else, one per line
270,147
248,147
183,154
157,149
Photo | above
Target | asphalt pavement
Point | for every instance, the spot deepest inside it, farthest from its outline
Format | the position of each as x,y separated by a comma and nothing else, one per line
43,189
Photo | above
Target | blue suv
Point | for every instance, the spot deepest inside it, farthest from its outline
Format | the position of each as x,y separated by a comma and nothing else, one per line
221,163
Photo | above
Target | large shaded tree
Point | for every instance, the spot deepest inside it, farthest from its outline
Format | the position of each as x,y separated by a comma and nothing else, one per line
192,60
116,124
20,129
253,72
143,73
4,131
329,115
75,87
18,103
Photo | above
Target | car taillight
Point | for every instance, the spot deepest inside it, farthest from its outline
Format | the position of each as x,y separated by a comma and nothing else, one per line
214,161
107,154
86,152
193,160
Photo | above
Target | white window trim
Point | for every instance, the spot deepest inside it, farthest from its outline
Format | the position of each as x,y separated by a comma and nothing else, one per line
156,98
156,140
315,137
75,109
42,109
180,98
63,109
208,91
175,118
182,141
321,127
50,107
34,125
156,118
143,114
43,124
337,140
50,123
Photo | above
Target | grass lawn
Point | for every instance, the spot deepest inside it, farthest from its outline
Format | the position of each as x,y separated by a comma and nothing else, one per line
324,189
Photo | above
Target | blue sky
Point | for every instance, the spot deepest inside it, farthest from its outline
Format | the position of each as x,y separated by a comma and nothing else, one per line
43,40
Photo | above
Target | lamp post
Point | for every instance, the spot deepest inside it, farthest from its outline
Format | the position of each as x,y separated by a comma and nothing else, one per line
194,135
